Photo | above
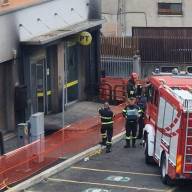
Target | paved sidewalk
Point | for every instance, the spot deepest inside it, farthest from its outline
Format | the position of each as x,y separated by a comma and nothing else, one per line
53,122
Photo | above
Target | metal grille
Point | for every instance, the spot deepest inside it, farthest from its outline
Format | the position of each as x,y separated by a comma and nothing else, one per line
117,66
117,55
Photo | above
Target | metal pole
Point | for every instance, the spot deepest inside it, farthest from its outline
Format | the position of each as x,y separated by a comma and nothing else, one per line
63,103
63,87
1,144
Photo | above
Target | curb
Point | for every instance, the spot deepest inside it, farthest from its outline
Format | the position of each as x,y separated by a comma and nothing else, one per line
59,167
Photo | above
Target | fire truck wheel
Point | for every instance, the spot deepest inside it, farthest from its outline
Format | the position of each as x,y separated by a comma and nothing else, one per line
164,177
163,169
148,159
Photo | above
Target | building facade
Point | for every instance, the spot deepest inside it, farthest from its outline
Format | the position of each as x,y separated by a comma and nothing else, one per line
162,29
123,15
47,48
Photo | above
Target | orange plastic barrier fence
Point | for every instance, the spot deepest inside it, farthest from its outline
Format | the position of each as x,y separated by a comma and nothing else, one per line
28,160
113,88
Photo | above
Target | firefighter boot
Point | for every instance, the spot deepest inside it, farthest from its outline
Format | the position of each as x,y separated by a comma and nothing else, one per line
127,145
104,140
133,143
108,148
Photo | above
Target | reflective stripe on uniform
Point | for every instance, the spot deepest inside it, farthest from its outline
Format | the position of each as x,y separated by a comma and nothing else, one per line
104,135
109,142
106,123
106,117
128,138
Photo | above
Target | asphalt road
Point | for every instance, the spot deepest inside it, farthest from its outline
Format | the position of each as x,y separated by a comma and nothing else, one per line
122,170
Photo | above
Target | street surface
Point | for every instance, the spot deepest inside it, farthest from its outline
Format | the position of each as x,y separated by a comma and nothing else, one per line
122,170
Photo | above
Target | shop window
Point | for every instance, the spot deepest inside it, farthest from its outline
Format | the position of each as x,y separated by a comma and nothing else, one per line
170,9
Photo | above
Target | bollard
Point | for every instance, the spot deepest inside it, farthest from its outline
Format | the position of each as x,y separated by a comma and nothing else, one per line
2,144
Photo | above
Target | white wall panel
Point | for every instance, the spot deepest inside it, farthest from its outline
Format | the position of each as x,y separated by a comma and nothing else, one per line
26,18
140,12
9,37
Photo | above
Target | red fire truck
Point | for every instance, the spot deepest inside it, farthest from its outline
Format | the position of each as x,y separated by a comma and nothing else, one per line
168,128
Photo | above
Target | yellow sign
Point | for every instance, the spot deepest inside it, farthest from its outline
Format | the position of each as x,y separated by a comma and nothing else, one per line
85,38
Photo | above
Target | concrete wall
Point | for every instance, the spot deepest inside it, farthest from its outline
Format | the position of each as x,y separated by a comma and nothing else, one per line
9,37
144,13
36,20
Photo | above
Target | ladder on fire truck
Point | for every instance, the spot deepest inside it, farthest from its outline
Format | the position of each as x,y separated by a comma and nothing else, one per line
185,97
188,140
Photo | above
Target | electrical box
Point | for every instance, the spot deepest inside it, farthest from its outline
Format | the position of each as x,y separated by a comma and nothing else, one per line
37,135
23,134
36,126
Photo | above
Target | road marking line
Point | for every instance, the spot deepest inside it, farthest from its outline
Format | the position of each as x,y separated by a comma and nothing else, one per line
111,171
107,185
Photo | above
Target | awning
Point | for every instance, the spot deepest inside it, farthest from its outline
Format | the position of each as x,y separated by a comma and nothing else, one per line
63,32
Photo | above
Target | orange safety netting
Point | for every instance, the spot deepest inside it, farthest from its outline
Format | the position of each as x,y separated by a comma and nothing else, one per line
28,160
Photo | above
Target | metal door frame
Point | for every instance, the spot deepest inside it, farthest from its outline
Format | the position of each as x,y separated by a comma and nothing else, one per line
67,103
34,91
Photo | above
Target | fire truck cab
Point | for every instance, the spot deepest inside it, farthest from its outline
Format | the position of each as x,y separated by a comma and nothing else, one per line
168,125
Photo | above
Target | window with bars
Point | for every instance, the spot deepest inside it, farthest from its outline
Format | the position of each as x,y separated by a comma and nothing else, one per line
170,9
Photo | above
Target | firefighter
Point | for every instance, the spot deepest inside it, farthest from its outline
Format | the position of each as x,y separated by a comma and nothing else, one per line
131,113
133,89
132,86
107,126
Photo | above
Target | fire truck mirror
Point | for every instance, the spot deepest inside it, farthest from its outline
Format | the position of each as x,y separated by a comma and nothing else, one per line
149,92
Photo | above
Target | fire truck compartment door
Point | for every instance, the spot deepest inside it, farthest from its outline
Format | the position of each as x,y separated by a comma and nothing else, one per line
160,123
164,139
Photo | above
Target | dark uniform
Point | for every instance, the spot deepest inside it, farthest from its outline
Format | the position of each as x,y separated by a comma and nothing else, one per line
131,113
142,105
107,127
131,89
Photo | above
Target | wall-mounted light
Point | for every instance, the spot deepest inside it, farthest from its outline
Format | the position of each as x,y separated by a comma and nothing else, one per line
14,53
